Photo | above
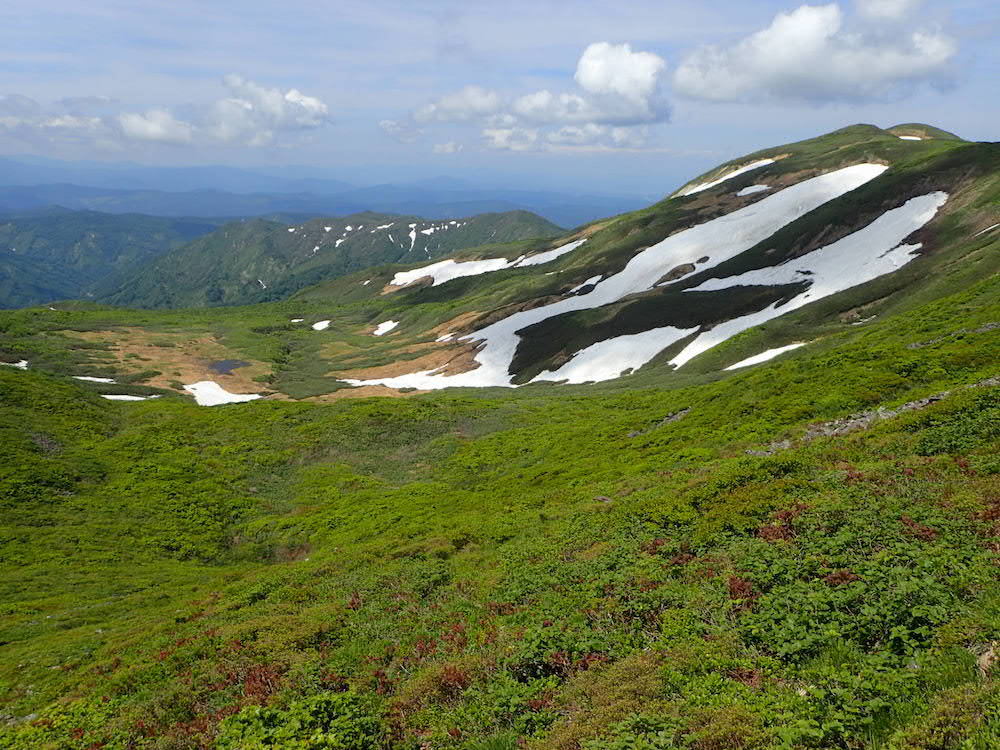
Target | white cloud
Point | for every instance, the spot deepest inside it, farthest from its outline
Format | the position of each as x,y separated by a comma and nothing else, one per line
254,114
887,9
470,103
807,54
618,89
451,147
155,125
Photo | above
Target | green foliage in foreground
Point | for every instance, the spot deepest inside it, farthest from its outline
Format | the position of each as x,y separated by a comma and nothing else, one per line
553,569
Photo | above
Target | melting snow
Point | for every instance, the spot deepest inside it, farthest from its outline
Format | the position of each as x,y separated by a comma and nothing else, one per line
610,358
262,284
446,270
413,236
382,226
446,337
988,229
427,231
297,320
765,356
327,229
588,282
722,238
126,397
321,325
210,393
736,173
383,328
753,189
338,243
90,379
859,257
22,365
291,229
366,283
910,138
348,228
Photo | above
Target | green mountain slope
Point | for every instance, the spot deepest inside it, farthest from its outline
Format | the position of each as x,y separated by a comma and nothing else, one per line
59,254
797,554
255,261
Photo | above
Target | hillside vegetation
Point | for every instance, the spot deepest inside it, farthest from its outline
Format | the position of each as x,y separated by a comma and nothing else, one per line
802,554
260,260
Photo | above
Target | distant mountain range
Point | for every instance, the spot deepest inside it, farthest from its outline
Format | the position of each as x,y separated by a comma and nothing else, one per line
227,191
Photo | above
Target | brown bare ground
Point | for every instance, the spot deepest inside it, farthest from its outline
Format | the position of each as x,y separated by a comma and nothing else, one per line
364,391
186,361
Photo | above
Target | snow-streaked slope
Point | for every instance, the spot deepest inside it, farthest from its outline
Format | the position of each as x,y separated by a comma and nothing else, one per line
862,256
765,356
735,173
608,359
719,240
210,393
446,270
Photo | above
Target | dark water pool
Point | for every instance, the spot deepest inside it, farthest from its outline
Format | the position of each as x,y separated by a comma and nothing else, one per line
226,366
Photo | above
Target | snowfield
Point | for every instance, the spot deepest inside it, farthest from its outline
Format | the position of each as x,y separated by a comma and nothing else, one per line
446,270
867,254
210,393
720,239
765,356
608,359
735,173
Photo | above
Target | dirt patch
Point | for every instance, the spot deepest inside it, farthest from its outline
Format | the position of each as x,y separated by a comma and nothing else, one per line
179,357
453,360
458,325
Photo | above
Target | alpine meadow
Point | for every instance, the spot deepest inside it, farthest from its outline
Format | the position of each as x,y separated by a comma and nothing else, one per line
439,472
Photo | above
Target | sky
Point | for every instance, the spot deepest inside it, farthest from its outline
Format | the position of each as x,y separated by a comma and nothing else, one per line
630,97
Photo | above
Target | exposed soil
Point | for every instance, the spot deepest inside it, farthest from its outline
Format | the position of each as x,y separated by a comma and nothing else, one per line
178,358
454,359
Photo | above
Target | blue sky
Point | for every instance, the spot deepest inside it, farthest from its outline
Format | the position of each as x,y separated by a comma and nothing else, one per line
596,95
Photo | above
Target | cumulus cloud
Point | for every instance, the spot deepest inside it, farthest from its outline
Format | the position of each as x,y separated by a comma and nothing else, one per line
618,89
404,132
155,125
252,115
808,54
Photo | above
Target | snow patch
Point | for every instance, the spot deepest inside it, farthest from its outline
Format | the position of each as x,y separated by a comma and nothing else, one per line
90,379
988,229
608,359
297,320
262,284
125,397
327,229
366,283
910,138
321,325
22,365
210,393
383,328
446,337
339,242
291,229
735,173
752,189
765,356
